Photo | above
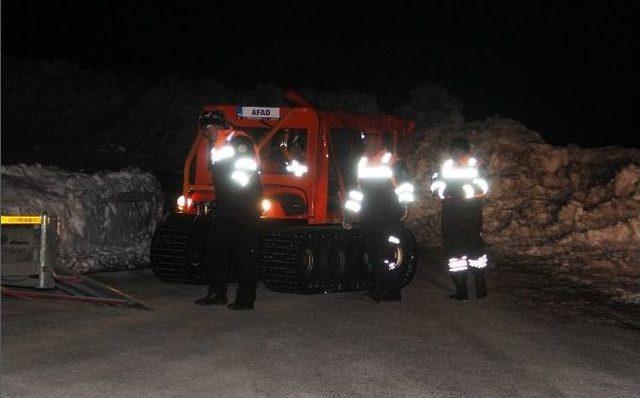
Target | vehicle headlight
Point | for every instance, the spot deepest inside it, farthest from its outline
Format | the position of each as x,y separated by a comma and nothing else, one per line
184,202
266,205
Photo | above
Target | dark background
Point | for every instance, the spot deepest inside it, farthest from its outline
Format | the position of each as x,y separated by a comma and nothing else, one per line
567,69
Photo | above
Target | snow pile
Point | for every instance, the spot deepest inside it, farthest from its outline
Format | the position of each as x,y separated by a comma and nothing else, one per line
577,209
107,219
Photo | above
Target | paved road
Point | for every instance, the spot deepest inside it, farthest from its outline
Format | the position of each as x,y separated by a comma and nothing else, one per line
311,346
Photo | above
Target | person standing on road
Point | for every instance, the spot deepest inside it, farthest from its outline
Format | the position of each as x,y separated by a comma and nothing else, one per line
233,238
379,202
461,188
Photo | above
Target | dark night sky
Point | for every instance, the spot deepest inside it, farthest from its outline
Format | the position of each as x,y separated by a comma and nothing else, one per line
568,70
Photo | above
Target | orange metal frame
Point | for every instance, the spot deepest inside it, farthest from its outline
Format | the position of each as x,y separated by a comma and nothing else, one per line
313,186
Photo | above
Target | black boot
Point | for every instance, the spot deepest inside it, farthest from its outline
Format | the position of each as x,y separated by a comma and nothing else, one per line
212,298
391,295
241,305
375,282
460,283
481,283
374,296
245,296
391,283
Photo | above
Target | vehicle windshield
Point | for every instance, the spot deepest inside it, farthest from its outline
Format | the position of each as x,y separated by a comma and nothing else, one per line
255,132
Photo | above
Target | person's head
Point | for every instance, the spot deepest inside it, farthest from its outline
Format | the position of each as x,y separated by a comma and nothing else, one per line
211,121
288,138
459,146
373,142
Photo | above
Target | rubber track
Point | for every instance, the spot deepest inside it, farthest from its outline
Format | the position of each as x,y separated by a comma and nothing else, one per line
169,250
281,255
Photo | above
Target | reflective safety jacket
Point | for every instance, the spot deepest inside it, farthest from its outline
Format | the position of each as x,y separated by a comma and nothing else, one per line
384,188
459,178
234,165
461,186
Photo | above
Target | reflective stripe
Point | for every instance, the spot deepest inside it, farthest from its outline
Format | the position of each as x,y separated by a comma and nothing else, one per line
458,264
468,191
362,162
406,197
21,220
356,195
353,206
240,177
482,184
246,164
440,186
393,239
218,154
405,192
480,262
298,169
455,173
375,172
378,172
404,187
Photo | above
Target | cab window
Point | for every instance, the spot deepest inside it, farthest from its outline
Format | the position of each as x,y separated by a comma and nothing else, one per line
345,149
387,137
285,153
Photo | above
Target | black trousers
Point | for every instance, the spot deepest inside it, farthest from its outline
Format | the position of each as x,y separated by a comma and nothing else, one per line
461,235
461,227
383,278
233,242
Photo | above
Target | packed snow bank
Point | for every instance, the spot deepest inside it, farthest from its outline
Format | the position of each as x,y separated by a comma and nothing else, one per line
577,209
106,218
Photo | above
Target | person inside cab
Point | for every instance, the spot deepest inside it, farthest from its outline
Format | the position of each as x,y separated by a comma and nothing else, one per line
286,153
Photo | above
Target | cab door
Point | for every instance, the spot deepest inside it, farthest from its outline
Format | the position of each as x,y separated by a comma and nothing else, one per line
288,164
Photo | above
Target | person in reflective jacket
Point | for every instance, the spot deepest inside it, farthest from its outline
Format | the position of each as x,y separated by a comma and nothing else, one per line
461,187
233,239
378,201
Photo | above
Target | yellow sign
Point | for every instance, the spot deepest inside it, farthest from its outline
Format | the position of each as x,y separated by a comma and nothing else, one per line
21,219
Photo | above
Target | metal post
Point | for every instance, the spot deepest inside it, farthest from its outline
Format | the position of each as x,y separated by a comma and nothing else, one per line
46,280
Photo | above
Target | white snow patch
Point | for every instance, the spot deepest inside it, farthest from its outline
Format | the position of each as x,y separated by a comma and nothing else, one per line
107,218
